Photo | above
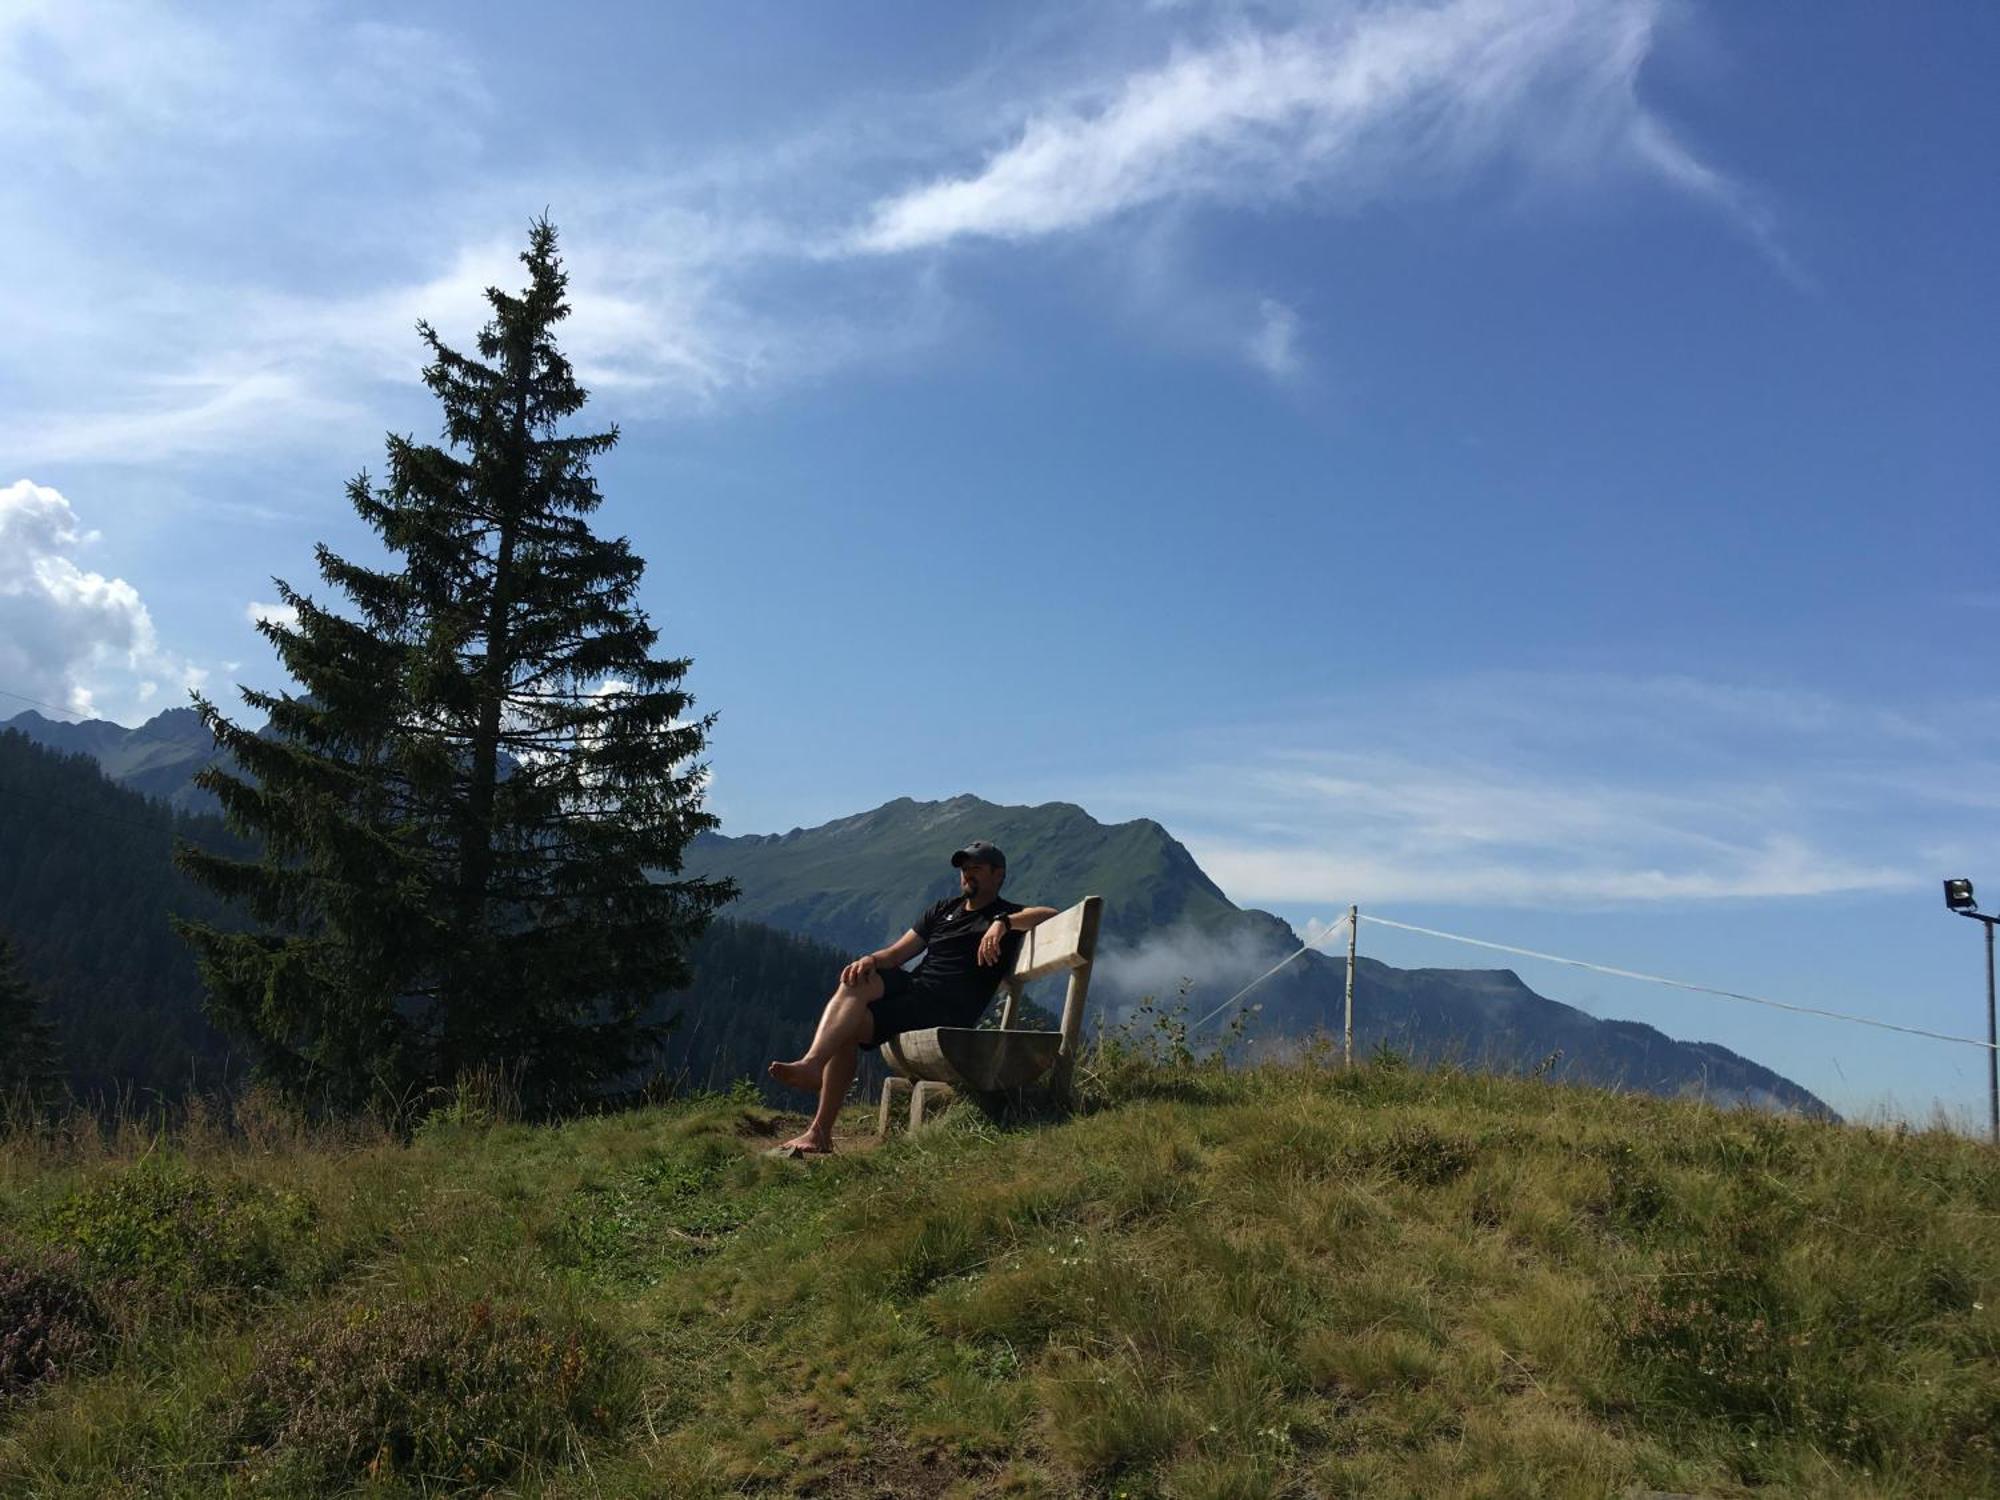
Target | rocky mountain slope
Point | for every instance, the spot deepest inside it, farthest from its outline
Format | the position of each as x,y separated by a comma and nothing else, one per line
158,759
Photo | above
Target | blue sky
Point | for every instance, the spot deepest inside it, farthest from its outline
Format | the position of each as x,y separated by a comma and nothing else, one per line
1519,466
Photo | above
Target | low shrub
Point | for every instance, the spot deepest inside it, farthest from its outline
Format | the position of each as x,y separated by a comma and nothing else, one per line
1415,1153
172,1228
1724,1341
442,1390
1636,1197
49,1322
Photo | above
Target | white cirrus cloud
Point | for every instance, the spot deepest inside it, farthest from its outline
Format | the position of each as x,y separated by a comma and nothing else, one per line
69,636
1378,99
196,414
160,313
1583,789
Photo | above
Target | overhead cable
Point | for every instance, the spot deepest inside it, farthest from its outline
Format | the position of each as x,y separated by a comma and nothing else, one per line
1304,948
1682,984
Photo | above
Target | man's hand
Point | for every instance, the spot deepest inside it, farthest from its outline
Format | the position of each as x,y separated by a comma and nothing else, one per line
859,970
989,946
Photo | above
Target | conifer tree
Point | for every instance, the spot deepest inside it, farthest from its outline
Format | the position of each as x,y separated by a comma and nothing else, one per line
27,1040
473,812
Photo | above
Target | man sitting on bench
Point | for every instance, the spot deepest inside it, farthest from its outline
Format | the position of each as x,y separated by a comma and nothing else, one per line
969,942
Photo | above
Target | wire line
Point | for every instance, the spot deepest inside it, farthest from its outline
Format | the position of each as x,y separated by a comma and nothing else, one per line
1682,984
1306,948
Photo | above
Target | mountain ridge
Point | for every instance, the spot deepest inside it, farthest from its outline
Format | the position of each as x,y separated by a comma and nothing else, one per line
158,758
1169,931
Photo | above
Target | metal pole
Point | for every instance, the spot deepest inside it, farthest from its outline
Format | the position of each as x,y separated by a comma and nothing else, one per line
1992,1041
1354,921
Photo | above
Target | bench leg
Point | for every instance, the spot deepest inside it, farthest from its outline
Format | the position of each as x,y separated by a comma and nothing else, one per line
923,1095
892,1088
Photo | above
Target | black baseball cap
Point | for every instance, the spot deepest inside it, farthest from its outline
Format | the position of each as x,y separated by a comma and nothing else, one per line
979,852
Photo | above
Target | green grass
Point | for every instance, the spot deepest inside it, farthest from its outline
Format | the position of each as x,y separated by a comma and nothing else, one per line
1286,1281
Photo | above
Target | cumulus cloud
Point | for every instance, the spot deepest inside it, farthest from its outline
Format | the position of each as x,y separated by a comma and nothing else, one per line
1378,99
257,612
69,635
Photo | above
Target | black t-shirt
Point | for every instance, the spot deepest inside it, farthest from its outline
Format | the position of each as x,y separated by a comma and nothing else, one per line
951,937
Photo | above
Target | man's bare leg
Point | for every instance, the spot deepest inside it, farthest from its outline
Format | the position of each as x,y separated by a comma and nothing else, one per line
869,989
829,1064
833,1083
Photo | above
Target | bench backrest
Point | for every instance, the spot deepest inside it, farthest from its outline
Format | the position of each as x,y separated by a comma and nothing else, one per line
1067,941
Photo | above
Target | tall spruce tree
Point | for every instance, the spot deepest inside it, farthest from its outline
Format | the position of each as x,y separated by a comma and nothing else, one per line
27,1040
473,814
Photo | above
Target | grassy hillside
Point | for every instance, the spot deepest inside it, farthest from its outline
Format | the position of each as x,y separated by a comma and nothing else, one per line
1287,1281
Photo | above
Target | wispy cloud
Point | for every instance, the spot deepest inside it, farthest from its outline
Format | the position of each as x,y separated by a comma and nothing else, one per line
1364,102
1273,343
282,317
1582,789
193,414
262,316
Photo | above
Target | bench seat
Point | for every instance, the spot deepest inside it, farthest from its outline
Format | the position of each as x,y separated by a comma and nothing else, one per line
989,1062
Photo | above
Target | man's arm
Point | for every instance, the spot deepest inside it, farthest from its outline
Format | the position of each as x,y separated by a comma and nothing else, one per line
1025,920
1028,918
894,956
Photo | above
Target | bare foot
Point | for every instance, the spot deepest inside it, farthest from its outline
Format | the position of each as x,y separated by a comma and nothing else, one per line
802,1076
809,1144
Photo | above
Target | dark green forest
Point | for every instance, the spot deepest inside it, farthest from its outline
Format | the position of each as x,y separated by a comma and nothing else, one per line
87,893
88,887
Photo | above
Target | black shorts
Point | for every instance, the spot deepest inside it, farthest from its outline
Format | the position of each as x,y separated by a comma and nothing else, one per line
908,1004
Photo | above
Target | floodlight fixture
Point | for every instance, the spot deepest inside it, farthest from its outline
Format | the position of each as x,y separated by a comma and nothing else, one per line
1958,898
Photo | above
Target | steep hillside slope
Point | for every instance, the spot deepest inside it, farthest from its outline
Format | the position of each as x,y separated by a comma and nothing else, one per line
88,891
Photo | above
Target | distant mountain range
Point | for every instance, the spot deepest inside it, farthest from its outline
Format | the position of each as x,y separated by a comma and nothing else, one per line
158,759
857,882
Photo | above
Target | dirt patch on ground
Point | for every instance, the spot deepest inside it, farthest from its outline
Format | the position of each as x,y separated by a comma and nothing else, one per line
893,1470
759,1132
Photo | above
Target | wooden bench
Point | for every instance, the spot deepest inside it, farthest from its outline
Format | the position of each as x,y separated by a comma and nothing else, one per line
931,1064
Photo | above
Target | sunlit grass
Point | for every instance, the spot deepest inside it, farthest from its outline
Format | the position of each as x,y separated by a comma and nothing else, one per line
1285,1281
